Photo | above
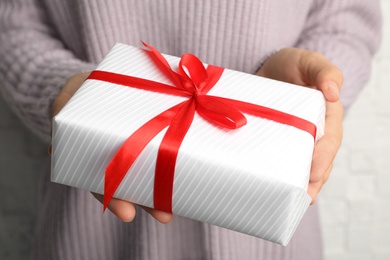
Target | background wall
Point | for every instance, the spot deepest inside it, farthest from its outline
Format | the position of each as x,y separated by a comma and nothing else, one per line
355,207
21,162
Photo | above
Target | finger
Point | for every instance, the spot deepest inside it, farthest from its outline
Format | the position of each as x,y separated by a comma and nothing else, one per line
60,102
320,72
161,216
315,187
124,210
70,87
326,148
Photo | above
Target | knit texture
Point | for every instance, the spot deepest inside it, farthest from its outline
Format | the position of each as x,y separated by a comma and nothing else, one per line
42,43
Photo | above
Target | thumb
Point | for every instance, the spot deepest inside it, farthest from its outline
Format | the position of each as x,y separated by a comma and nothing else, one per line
320,72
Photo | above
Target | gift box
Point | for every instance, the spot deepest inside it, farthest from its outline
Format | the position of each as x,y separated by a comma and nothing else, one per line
239,159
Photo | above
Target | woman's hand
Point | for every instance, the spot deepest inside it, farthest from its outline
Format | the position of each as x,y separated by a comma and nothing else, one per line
312,69
124,210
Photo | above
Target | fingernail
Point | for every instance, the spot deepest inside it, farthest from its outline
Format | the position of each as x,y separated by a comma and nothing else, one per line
333,88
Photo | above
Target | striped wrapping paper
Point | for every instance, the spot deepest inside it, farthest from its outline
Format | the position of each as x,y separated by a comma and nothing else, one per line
252,180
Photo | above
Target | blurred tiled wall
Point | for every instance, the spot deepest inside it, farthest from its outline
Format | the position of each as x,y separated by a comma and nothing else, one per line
355,203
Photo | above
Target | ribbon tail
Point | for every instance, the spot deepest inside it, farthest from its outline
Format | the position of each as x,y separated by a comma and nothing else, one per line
272,114
163,65
131,148
167,155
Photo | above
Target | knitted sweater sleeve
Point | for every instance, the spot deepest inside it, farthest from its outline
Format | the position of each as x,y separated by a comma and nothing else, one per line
348,33
34,63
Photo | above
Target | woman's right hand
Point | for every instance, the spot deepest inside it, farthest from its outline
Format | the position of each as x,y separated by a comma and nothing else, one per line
124,210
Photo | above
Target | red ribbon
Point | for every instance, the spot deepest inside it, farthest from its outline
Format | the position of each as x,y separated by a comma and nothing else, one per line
220,111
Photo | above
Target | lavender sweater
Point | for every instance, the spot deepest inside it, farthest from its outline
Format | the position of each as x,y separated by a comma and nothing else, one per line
44,42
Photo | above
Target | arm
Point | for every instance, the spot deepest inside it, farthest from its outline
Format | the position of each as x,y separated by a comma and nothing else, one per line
38,75
34,63
340,39
348,33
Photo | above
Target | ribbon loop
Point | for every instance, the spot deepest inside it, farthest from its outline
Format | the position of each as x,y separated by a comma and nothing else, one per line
197,72
220,113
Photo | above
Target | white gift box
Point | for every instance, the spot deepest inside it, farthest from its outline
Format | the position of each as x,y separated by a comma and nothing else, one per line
253,179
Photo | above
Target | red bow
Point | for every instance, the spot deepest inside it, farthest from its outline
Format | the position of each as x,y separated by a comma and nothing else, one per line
220,111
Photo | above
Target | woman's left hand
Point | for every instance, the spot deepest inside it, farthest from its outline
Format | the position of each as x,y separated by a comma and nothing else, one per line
312,69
